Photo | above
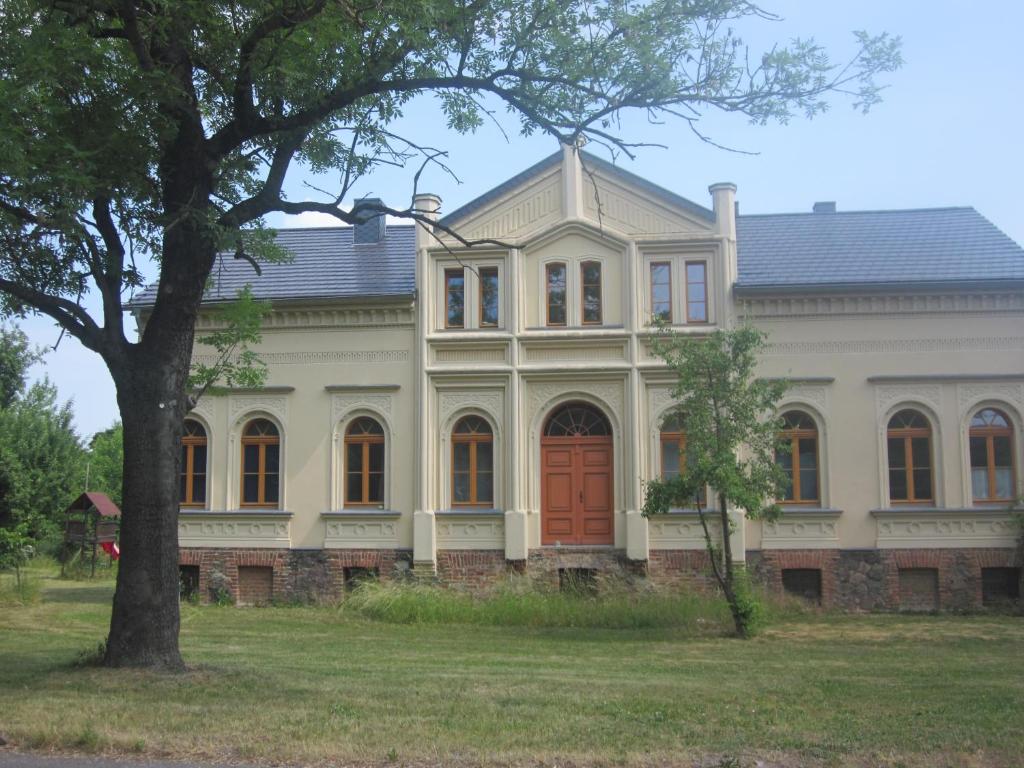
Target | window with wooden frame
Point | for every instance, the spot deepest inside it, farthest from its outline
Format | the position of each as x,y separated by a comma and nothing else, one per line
364,463
909,444
192,488
590,282
472,463
661,291
696,292
674,456
489,297
556,287
798,457
261,464
991,447
454,298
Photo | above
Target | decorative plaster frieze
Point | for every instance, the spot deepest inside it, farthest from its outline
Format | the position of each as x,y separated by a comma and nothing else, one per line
322,358
522,212
371,532
969,394
659,400
610,392
490,401
630,211
467,532
204,408
900,529
275,405
897,346
568,352
681,532
234,531
352,317
470,354
813,394
343,404
913,304
888,395
801,531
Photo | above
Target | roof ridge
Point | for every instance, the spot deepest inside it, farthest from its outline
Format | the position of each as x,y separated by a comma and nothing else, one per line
866,210
333,227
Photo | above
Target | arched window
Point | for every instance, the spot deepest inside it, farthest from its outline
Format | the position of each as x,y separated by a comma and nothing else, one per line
192,488
992,469
364,463
674,456
577,420
261,464
472,463
799,460
909,443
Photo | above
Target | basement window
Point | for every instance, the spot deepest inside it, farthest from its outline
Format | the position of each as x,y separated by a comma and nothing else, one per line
356,576
804,583
919,589
1000,586
578,581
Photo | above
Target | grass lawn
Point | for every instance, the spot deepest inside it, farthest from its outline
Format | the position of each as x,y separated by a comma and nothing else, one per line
309,685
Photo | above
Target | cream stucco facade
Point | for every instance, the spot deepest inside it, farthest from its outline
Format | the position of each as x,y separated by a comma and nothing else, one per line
854,356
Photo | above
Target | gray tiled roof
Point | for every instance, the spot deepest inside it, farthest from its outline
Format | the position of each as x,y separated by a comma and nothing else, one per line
866,248
326,265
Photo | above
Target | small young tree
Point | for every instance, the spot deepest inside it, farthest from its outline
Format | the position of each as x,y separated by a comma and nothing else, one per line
731,440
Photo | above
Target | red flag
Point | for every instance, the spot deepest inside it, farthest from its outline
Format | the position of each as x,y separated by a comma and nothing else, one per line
111,548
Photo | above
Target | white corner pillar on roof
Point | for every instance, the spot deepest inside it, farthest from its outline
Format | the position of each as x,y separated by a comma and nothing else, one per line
724,196
424,532
572,183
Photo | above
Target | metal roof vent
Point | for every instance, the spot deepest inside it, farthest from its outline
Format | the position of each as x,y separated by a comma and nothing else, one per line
825,207
373,227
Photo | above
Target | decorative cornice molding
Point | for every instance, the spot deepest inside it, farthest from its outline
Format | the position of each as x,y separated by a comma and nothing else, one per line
897,346
298,318
966,377
783,307
323,358
342,388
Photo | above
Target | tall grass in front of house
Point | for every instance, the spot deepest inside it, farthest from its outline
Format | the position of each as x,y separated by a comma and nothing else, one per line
609,604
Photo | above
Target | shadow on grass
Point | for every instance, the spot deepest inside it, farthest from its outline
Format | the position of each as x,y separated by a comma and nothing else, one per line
99,594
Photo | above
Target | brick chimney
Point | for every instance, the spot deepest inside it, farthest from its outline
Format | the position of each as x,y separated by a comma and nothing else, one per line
372,228
828,206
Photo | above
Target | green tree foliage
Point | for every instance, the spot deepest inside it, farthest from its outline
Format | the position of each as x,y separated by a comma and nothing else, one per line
167,130
41,458
106,462
728,416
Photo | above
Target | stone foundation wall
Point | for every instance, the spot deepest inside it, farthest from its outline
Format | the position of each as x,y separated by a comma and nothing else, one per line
298,574
869,579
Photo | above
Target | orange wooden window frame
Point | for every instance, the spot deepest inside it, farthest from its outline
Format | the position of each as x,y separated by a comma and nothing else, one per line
677,438
449,275
794,435
990,433
489,271
364,440
907,435
473,439
190,443
668,266
703,282
565,293
583,292
261,441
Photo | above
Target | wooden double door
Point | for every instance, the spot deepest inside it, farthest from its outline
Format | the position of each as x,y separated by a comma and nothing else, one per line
576,490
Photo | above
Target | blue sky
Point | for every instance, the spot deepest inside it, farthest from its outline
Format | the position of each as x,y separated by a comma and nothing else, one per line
948,133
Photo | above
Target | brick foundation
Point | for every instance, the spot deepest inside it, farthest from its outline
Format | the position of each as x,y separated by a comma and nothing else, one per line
869,579
851,580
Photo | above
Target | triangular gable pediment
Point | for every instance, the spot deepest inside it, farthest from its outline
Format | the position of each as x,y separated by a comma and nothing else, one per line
563,187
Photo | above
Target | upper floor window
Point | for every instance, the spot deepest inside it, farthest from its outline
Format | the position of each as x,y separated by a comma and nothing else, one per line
489,297
696,292
192,488
455,298
590,280
799,458
991,447
909,443
556,293
261,464
661,291
674,456
472,463
364,463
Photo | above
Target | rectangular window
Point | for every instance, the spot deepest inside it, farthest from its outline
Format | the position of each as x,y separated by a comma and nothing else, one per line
590,278
488,297
556,286
455,298
696,292
661,292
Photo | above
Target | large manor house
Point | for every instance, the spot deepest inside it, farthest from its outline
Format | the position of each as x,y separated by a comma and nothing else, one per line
468,414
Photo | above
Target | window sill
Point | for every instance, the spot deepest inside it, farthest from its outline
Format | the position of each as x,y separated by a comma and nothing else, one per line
808,509
470,512
910,509
245,512
361,512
